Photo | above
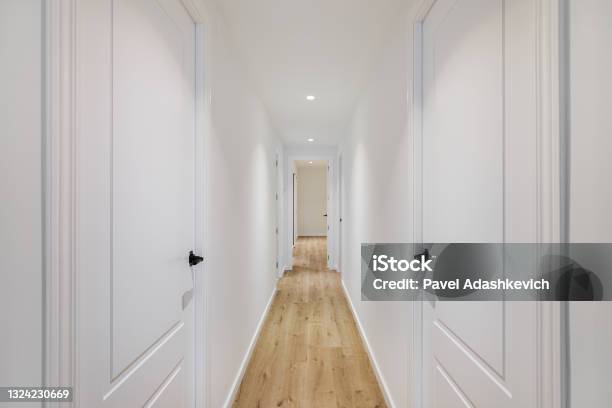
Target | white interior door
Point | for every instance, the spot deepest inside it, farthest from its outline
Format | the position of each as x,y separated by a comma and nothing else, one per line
279,214
339,215
136,204
295,208
477,354
329,217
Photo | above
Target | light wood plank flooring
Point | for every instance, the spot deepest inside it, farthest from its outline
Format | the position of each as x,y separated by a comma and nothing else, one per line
309,353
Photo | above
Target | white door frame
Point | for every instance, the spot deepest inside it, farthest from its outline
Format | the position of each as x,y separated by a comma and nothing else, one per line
61,351
552,186
338,216
279,203
331,212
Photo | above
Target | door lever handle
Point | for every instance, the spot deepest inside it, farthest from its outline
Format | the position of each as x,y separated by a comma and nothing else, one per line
194,259
424,254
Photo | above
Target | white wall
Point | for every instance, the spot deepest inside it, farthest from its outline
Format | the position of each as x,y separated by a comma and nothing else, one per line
241,214
21,193
590,86
377,201
312,200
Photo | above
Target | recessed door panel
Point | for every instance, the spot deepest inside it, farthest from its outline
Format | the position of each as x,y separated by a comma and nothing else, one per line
463,153
153,175
463,126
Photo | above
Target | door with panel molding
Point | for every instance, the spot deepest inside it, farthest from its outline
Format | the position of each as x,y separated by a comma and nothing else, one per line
329,217
135,203
478,186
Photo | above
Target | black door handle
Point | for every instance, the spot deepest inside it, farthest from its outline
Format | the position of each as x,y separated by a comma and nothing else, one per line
194,259
424,254
325,215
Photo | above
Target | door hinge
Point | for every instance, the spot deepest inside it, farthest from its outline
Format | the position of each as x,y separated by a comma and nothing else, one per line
276,163
276,230
276,264
276,196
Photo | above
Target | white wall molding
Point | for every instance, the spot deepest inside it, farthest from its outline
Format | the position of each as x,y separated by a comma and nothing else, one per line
370,351
247,357
550,174
60,191
551,194
415,369
203,120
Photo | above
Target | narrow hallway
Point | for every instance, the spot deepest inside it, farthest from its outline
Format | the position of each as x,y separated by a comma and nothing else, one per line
309,353
311,204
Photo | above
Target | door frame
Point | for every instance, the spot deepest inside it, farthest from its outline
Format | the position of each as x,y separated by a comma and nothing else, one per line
552,185
293,207
331,159
279,212
60,213
339,212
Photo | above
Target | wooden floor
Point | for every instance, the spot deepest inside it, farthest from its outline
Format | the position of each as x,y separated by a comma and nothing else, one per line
309,353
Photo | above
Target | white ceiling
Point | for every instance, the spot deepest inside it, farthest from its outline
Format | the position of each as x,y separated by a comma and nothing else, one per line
309,47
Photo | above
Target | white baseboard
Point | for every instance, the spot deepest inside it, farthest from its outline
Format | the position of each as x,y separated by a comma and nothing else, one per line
377,372
247,357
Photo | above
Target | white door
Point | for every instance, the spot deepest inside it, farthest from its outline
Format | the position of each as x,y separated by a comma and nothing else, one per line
295,208
339,215
478,354
329,215
279,213
135,204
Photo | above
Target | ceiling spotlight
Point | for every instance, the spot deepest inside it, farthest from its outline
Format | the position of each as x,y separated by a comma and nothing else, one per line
309,162
311,140
311,97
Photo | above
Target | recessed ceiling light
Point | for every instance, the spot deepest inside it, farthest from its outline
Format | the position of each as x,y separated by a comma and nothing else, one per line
311,97
311,140
309,162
